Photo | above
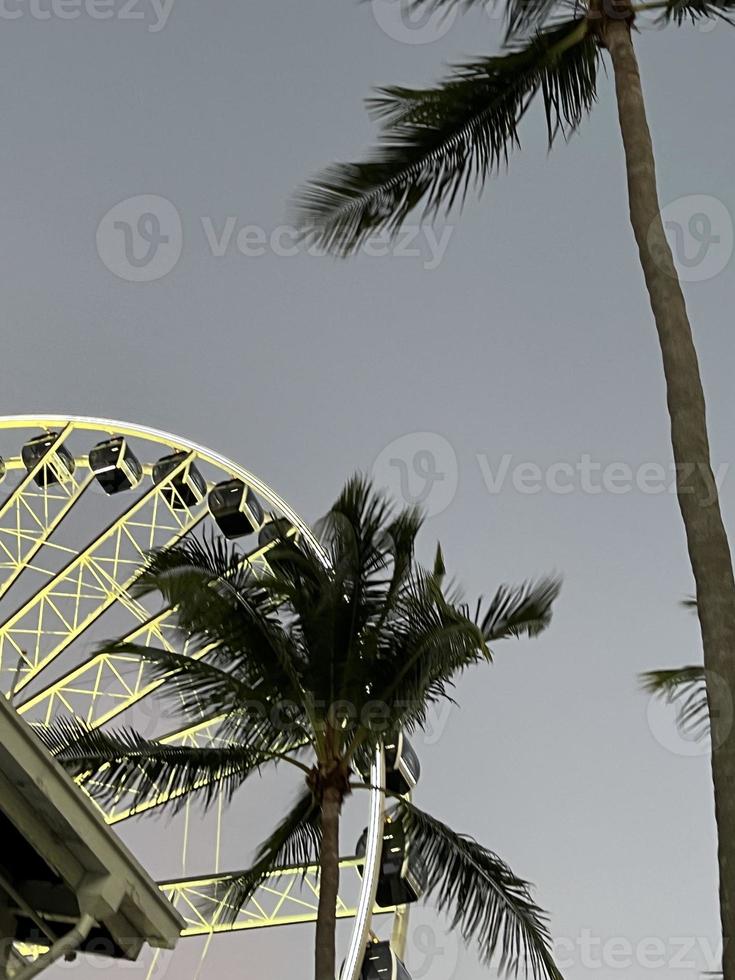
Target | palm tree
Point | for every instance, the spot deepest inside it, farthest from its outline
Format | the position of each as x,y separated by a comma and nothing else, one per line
436,142
310,667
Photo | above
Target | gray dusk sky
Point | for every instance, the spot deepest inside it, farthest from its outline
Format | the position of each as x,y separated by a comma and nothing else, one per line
527,340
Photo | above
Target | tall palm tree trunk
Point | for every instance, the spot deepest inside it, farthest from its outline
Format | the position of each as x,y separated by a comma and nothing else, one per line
707,543
326,922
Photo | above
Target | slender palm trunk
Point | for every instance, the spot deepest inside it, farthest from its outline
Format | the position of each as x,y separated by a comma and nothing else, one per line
326,922
707,543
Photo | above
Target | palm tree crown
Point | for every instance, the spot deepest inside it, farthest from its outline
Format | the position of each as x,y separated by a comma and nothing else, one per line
311,667
437,142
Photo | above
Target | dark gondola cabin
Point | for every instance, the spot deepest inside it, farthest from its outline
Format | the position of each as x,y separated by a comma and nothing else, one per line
381,963
35,450
187,488
115,466
235,508
401,764
274,530
402,877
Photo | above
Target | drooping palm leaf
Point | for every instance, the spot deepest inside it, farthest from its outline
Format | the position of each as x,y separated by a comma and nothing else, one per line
294,843
221,606
192,681
198,689
692,11
484,899
685,688
115,763
437,142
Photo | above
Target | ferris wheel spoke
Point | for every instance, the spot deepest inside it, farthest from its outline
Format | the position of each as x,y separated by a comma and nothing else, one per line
94,580
288,896
104,685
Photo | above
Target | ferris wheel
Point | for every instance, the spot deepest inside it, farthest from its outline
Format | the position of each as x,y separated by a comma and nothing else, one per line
82,501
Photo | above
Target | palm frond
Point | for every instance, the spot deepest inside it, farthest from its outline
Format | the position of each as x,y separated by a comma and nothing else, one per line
432,636
485,900
115,763
172,571
202,580
520,611
220,606
295,843
371,551
686,689
692,11
194,683
399,543
359,510
438,142
425,646
198,689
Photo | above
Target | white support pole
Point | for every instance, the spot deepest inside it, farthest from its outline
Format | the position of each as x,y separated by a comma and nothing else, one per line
371,871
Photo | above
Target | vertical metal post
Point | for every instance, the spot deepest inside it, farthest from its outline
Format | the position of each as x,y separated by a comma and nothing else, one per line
371,871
